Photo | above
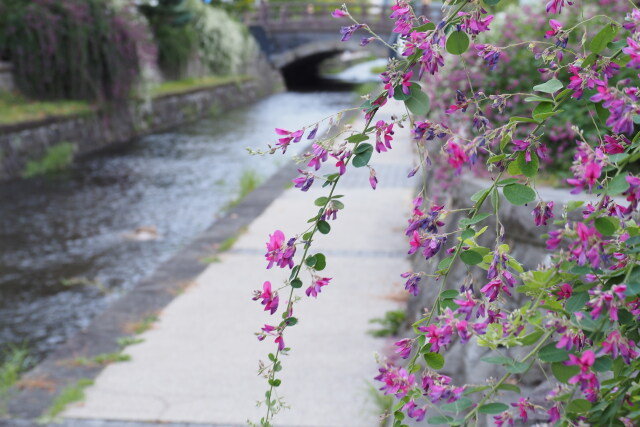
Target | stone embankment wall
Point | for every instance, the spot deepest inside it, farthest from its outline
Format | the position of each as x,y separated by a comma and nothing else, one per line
6,79
29,141
463,362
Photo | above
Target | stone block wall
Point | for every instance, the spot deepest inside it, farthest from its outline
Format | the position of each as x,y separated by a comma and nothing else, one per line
6,79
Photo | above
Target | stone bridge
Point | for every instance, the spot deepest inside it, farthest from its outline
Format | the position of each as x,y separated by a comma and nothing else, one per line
296,37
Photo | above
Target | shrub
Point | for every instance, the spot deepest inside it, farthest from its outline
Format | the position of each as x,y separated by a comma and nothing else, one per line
71,49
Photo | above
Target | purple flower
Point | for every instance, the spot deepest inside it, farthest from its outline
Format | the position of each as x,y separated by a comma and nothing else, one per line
555,6
339,13
396,380
347,32
616,344
412,283
633,50
316,287
305,181
404,347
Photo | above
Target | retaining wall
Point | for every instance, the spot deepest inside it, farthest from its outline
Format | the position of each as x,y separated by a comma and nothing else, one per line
90,132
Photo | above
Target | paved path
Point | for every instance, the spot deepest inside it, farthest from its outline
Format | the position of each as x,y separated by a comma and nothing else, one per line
198,364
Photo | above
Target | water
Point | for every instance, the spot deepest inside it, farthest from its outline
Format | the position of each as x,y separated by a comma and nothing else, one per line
76,227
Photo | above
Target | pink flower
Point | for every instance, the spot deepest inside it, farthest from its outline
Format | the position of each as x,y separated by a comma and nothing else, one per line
384,136
404,347
269,299
339,13
633,50
396,380
616,344
456,156
316,288
555,6
278,252
542,213
288,137
588,381
373,181
523,406
564,292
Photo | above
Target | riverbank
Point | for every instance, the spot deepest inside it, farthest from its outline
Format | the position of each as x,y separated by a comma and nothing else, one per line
33,146
200,356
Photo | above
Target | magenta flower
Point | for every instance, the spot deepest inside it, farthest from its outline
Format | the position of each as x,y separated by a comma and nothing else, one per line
588,381
278,252
504,418
318,156
438,388
373,181
554,413
384,136
493,288
269,299
413,411
542,213
339,13
396,380
347,32
616,344
615,145
555,6
490,54
404,17
412,283
456,156
280,341
304,181
404,347
564,292
316,287
523,406
633,50
475,23
288,137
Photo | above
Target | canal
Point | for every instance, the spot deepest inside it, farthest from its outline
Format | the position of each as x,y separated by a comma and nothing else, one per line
74,241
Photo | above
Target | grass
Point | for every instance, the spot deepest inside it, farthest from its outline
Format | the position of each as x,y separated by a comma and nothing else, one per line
127,341
186,85
15,108
70,394
16,360
101,359
249,181
390,324
366,88
56,158
83,281
382,402
143,325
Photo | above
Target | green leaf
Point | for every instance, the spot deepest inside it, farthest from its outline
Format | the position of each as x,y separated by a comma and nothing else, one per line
589,60
604,37
509,387
493,408
457,43
506,181
603,364
531,338
492,2
497,360
603,113
513,169
518,119
291,321
419,103
530,168
425,27
324,227
310,261
434,360
479,194
549,353
457,406
618,185
464,222
440,419
445,263
449,294
362,159
563,372
321,201
363,148
518,194
468,233
275,382
399,95
576,302
579,406
296,283
549,86
471,257
359,137
517,367
607,225
321,262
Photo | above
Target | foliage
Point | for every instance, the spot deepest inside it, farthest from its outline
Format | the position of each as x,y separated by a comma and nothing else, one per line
56,158
577,316
390,324
171,21
70,394
15,361
88,49
224,44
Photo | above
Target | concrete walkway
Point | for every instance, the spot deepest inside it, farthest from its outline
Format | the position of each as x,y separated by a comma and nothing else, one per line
198,364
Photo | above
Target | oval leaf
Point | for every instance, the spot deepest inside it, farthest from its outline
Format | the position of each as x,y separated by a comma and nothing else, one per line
434,360
549,86
471,257
493,408
549,353
457,43
518,194
418,103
